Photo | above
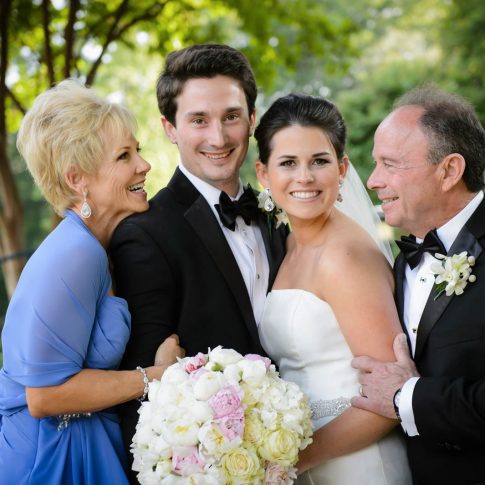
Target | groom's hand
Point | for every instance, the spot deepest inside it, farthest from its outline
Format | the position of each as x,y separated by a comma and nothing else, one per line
168,351
380,380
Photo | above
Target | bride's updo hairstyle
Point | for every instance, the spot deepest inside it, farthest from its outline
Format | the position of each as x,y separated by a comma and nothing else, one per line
302,110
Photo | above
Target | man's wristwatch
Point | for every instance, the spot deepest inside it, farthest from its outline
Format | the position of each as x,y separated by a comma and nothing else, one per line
395,401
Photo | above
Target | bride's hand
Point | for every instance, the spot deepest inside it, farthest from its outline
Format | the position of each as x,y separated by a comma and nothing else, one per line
168,351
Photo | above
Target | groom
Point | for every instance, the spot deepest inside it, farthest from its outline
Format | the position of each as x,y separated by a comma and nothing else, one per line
430,158
197,264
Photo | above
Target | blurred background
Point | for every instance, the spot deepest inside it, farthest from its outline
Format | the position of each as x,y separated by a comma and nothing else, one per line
361,55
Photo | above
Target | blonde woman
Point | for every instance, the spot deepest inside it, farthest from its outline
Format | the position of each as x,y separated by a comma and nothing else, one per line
64,333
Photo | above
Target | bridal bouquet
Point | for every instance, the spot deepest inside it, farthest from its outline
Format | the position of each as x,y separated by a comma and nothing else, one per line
221,418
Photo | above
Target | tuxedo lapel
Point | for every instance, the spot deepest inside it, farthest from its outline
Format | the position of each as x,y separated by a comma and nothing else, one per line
203,221
399,270
467,240
399,273
263,225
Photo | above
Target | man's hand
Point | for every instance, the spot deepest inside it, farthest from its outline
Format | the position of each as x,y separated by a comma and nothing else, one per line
380,380
168,351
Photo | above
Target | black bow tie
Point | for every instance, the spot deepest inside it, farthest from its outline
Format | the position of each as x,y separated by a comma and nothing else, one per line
246,207
413,251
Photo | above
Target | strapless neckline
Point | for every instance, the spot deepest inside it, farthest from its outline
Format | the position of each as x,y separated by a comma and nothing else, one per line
298,290
302,335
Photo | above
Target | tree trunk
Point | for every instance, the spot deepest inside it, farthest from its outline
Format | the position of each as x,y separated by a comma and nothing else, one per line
11,214
11,223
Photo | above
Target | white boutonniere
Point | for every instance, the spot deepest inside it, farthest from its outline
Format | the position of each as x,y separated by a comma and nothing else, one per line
273,213
452,273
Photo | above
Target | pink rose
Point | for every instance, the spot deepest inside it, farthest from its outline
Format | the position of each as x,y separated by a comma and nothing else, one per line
265,360
232,426
278,475
196,362
226,401
187,463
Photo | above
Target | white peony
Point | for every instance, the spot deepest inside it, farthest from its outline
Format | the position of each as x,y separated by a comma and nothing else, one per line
233,372
208,384
221,418
213,442
253,371
174,374
182,432
222,357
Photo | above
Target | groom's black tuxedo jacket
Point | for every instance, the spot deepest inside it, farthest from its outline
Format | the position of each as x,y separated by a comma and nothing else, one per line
174,266
449,398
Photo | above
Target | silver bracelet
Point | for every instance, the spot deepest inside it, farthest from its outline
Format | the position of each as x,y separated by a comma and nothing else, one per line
145,383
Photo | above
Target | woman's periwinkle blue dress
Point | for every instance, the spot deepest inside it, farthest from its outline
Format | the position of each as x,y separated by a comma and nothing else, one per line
61,320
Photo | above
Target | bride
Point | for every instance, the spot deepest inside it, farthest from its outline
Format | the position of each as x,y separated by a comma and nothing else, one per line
333,295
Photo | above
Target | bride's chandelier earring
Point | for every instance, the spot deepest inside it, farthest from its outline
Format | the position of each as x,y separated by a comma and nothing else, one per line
269,204
85,208
339,196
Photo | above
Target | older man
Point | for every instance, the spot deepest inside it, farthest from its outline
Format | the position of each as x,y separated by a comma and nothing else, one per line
430,157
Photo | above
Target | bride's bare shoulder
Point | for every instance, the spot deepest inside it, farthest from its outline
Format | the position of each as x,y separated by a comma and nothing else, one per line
352,249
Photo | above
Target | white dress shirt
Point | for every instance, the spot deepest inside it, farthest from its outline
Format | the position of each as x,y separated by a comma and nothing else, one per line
418,283
246,243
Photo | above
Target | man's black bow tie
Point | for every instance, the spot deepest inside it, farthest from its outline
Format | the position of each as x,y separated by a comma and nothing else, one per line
413,251
246,207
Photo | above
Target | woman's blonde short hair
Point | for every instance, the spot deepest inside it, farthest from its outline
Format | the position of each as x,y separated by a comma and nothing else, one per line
67,128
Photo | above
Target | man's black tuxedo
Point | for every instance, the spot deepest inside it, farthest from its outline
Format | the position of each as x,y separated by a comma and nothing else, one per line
449,398
174,266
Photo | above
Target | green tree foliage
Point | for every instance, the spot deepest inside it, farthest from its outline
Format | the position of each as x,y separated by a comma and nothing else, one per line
362,55
463,37
43,42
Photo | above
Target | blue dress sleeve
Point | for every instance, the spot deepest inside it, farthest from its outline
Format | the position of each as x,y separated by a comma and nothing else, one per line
55,307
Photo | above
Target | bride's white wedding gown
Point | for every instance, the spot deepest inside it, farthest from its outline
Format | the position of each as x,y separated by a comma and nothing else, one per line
300,333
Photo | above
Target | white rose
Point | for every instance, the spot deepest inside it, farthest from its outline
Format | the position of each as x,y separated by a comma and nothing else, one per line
281,446
243,465
208,384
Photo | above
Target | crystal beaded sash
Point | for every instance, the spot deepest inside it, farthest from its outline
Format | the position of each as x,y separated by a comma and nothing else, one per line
331,407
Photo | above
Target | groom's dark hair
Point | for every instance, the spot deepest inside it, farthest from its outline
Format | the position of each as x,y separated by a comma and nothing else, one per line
450,125
202,61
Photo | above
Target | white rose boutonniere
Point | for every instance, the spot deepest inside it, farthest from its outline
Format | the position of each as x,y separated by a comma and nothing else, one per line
453,273
272,211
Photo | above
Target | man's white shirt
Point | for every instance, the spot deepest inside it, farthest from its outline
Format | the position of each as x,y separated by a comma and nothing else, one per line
246,243
418,283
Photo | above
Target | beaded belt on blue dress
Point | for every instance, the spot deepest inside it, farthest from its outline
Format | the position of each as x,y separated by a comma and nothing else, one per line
65,419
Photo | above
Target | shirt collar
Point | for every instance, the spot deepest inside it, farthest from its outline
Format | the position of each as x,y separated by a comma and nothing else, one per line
210,193
449,231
